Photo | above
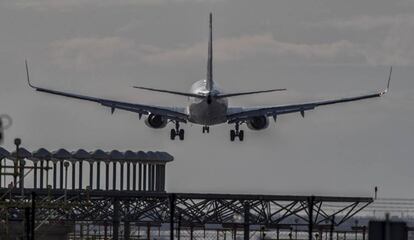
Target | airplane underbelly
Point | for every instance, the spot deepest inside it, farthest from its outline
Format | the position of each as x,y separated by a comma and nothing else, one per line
208,114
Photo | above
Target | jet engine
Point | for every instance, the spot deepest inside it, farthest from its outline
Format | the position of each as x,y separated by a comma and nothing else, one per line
156,121
258,123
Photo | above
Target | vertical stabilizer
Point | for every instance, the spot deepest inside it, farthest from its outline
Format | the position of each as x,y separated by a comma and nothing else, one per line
209,84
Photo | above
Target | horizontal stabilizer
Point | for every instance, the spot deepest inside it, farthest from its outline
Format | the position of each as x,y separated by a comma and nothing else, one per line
248,93
171,92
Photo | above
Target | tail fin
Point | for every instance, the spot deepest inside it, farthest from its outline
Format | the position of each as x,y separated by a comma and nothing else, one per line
209,83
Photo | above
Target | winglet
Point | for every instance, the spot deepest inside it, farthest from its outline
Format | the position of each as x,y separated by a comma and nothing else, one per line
28,76
388,83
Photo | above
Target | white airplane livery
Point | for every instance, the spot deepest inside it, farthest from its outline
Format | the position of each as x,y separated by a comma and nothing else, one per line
209,105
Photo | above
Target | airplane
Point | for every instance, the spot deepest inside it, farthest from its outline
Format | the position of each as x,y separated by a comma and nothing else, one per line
208,105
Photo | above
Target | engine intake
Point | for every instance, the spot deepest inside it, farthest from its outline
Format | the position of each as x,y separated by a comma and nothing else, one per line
258,123
156,121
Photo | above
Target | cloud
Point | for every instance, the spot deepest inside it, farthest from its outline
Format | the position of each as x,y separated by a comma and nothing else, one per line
82,53
391,43
251,45
367,22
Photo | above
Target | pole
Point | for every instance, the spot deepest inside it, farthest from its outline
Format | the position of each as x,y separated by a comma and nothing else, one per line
33,215
73,174
144,183
246,220
179,228
26,223
128,175
364,229
114,175
140,177
127,230
41,174
277,232
80,174
98,175
22,176
106,175
61,174
172,213
122,176
311,201
91,174
134,176
127,225
66,165
17,142
148,231
116,220
54,174
356,229
34,175
332,227
387,227
47,174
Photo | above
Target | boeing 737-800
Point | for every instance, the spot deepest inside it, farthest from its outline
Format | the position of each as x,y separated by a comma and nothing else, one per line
209,105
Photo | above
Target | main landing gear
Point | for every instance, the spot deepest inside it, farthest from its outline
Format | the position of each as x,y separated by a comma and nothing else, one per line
206,129
177,132
237,133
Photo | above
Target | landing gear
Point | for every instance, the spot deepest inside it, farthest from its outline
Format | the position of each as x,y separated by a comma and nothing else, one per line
177,132
237,133
181,134
206,129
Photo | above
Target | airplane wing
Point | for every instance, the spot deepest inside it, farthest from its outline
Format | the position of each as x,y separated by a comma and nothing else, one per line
242,114
173,113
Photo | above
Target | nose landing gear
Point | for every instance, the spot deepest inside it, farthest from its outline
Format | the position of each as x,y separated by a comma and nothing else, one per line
177,132
237,133
206,129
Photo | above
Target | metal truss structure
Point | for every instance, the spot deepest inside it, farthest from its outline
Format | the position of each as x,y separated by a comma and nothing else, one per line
179,210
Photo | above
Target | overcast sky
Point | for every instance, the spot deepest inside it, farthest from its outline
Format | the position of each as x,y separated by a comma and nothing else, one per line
315,48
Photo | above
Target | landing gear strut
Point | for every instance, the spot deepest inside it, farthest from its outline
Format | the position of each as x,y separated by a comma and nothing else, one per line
177,132
237,133
206,129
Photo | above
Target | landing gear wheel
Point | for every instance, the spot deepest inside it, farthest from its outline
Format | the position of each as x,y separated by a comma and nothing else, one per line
206,129
173,134
177,132
232,135
241,135
237,133
181,134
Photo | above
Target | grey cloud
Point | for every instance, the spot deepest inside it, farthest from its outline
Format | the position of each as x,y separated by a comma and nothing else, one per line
83,53
251,45
367,22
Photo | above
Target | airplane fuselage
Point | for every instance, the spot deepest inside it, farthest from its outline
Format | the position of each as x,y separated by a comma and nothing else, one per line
206,111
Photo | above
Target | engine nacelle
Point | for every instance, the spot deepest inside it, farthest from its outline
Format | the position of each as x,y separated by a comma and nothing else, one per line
156,121
258,123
